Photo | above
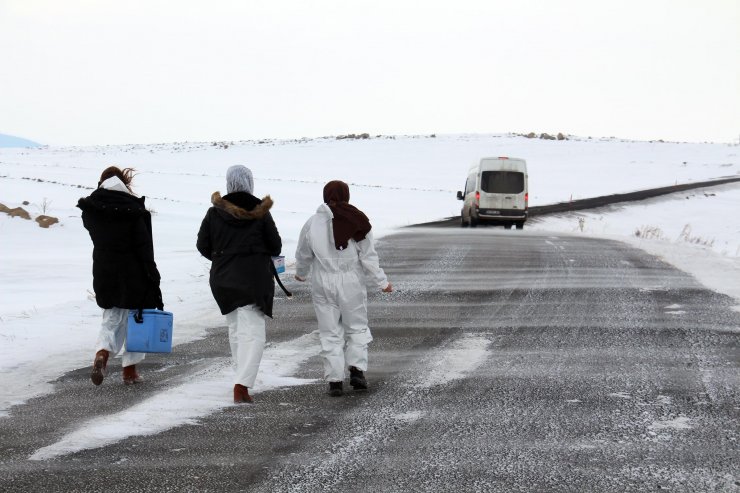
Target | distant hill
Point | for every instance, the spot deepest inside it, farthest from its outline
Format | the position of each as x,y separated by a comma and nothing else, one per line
10,141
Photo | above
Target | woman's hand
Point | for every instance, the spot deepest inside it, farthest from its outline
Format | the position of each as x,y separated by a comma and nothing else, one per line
299,278
388,288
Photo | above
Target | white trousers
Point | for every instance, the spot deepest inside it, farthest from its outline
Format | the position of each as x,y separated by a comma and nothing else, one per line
112,336
247,341
340,303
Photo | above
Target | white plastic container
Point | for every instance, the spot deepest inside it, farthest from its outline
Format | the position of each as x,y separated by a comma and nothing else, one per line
279,263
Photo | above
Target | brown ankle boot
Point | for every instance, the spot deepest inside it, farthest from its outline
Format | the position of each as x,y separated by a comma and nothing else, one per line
100,363
241,394
130,376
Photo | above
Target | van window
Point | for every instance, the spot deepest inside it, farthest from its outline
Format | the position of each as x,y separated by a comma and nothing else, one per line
502,182
470,184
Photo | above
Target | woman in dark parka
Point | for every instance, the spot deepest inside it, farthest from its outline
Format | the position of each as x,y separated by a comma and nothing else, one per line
125,275
238,235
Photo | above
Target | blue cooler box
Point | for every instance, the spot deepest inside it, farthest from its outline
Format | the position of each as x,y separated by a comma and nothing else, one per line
279,263
152,335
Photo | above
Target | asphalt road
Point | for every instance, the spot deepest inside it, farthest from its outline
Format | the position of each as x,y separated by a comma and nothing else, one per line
601,201
505,361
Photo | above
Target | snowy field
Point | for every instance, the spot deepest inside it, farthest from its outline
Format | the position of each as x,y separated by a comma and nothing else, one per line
48,316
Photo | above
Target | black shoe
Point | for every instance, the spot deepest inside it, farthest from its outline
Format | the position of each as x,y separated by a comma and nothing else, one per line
335,389
357,379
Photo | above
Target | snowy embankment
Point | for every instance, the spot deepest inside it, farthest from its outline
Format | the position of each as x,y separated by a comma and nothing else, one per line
697,231
48,316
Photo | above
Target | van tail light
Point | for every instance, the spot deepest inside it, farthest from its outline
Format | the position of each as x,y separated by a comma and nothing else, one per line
477,199
526,200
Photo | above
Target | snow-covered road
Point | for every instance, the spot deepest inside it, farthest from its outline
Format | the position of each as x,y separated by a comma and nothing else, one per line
505,361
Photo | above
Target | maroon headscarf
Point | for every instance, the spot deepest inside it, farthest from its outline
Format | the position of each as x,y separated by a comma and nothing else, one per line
349,221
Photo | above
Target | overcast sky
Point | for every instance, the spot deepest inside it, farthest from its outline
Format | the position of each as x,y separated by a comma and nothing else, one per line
142,71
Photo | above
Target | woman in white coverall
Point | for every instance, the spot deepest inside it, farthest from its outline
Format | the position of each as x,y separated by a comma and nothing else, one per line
336,247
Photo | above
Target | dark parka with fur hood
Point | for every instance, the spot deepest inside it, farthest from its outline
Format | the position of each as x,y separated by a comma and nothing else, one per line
124,272
239,236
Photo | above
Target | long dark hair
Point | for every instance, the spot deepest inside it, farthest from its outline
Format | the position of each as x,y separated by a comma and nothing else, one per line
126,175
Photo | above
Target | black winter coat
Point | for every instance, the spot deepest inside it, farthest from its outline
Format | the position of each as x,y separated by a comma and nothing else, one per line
239,235
124,272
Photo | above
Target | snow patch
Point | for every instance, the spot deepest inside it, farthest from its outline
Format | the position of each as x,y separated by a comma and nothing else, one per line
204,393
408,417
665,399
651,289
680,423
456,361
620,395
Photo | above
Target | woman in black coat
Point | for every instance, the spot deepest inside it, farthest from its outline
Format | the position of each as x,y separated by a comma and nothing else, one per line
238,235
125,275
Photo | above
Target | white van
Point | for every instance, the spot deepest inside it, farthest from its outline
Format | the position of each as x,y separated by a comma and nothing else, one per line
496,192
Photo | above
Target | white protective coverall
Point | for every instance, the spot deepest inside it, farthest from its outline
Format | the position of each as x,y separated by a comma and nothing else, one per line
112,335
247,340
338,280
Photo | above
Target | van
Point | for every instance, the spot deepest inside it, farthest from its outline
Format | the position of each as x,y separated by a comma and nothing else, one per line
496,192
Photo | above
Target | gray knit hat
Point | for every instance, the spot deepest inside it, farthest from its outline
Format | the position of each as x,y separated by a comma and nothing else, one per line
239,179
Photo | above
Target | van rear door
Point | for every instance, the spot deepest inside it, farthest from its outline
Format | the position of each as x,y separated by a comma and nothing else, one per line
501,190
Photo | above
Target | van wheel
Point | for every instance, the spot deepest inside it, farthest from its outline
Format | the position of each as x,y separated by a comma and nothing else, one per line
520,225
507,225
